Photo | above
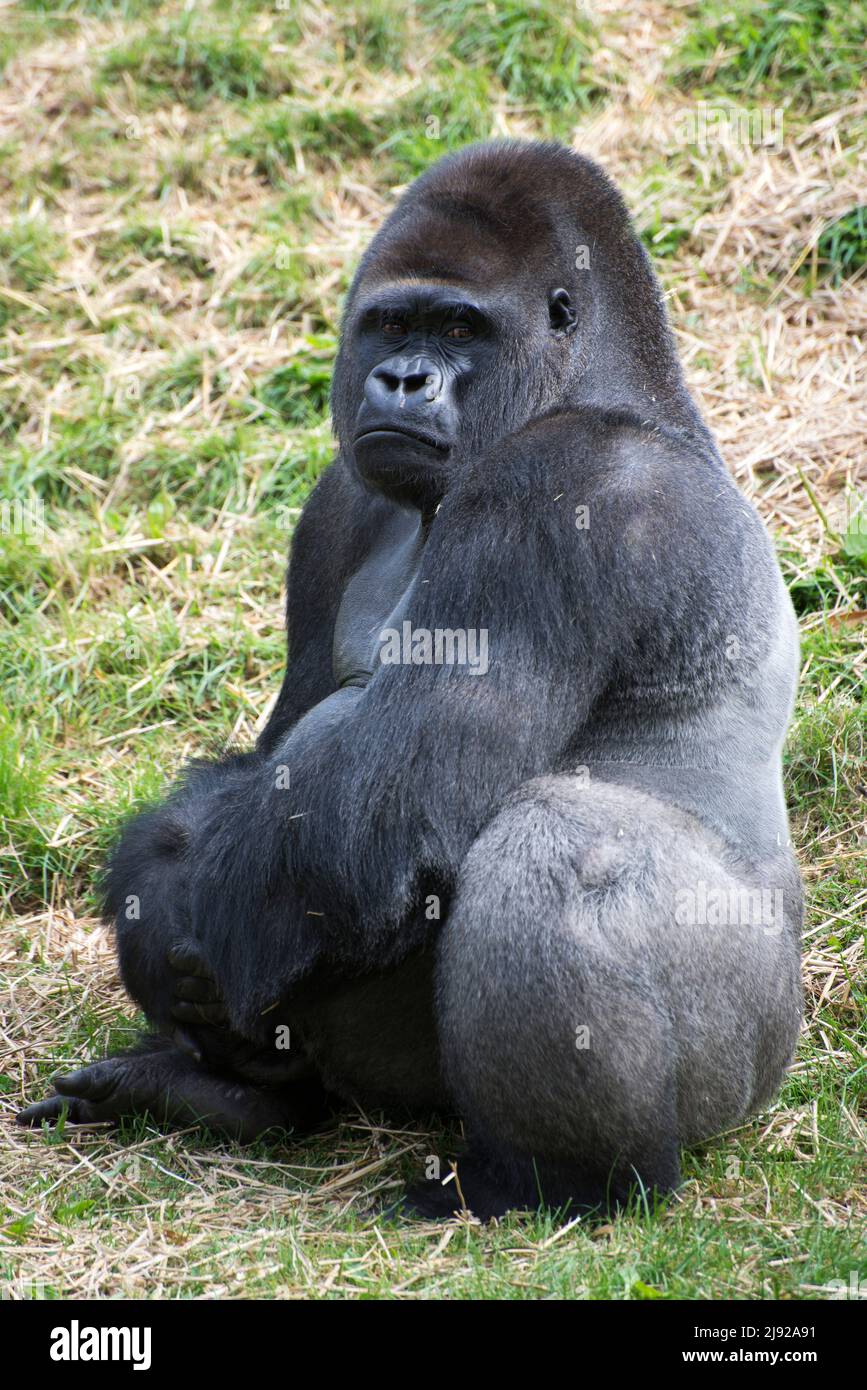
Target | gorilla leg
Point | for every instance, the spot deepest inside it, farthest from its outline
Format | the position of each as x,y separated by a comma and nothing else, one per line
587,1032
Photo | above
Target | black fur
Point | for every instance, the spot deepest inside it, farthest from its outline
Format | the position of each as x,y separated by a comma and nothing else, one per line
623,745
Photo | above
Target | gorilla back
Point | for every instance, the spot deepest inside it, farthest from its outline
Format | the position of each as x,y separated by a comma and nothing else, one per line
514,840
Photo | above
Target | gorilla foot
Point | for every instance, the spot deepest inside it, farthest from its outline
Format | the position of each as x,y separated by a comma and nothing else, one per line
488,1188
172,1088
472,1188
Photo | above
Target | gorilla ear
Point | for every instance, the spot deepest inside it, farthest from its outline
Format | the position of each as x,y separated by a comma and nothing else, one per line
562,315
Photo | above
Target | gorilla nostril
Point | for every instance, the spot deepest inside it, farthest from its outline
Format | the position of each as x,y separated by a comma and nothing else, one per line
415,378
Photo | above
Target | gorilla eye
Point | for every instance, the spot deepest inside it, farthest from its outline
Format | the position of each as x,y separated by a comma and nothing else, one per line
393,328
461,331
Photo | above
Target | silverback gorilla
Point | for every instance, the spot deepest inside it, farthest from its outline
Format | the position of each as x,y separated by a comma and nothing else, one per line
551,891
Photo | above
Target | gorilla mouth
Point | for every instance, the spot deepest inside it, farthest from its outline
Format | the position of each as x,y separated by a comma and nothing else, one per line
417,436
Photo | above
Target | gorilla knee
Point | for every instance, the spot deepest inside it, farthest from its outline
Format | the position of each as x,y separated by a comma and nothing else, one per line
556,1049
584,1019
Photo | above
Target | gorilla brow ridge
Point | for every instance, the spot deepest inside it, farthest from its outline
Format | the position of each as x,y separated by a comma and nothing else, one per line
453,206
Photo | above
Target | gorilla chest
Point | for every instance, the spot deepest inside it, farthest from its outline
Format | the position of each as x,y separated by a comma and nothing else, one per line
377,596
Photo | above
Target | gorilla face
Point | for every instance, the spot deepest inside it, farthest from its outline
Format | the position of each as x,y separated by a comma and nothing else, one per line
427,354
420,349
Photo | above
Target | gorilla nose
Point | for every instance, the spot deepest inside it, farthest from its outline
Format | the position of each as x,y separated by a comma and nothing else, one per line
404,381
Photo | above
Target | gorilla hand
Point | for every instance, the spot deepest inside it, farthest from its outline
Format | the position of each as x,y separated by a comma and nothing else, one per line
204,1031
196,997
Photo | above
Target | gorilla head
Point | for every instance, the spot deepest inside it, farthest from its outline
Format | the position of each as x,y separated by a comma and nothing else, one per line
506,284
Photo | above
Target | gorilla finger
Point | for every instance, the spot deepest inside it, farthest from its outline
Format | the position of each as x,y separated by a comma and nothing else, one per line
51,1110
187,1044
41,1110
92,1083
187,959
196,989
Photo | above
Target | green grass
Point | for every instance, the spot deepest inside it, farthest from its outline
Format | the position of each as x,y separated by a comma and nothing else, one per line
186,60
298,393
841,250
376,35
29,255
334,132
540,50
791,50
152,243
174,252
96,9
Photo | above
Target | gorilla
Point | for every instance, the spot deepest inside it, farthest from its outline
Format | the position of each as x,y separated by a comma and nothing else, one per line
513,845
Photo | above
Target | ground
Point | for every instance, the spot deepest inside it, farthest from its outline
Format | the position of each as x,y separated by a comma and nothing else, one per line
184,192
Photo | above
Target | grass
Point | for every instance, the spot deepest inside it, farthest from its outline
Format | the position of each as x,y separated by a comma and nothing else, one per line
184,59
841,250
540,50
180,213
793,50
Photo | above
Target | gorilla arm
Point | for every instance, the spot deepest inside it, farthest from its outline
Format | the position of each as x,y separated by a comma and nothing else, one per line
375,796
322,847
